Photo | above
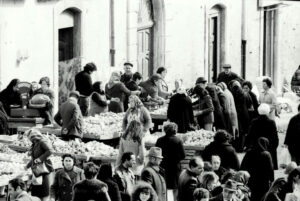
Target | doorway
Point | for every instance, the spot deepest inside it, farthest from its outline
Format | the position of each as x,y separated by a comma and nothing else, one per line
145,65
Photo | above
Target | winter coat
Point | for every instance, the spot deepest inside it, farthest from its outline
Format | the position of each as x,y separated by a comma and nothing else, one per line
188,182
9,97
98,104
264,127
173,153
156,177
258,162
83,83
224,102
70,114
62,187
292,138
227,153
125,78
116,90
89,190
232,108
254,102
227,78
180,111
24,196
207,108
113,189
150,89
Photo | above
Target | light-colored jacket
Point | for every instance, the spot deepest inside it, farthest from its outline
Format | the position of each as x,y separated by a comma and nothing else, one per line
231,109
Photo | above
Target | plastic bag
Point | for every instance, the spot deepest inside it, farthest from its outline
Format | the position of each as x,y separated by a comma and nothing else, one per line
284,157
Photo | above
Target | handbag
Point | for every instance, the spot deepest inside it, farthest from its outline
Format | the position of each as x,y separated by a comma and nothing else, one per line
39,169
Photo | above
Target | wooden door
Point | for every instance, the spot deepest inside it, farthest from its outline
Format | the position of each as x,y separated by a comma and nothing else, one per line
145,66
214,47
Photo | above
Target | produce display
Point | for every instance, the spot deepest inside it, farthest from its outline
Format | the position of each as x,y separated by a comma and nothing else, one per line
92,148
198,138
104,126
160,111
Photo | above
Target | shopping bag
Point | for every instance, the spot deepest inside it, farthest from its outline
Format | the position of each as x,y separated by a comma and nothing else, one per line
37,180
284,157
39,169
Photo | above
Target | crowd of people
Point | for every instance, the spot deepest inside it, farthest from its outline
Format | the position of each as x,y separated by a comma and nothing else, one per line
242,122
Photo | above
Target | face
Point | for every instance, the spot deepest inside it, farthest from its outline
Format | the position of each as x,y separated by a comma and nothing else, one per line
127,69
131,103
16,87
157,82
44,85
199,168
226,70
228,194
212,184
265,86
215,162
163,74
145,195
68,163
138,81
131,162
177,84
203,85
246,89
14,193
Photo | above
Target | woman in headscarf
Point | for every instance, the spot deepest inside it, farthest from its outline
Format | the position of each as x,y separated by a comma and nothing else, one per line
137,111
205,110
10,95
3,120
276,191
264,127
219,122
258,162
116,91
252,100
231,108
180,109
40,152
98,102
144,192
240,99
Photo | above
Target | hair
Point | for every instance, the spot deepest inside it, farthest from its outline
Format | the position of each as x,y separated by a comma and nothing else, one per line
170,128
200,193
207,177
90,170
46,79
193,161
247,83
90,67
126,156
12,84
105,172
139,187
70,156
155,77
242,176
227,176
160,70
215,155
200,91
96,87
134,131
207,166
268,81
221,136
137,101
18,182
137,76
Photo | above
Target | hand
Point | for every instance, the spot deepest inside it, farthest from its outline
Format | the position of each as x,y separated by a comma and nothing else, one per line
37,160
65,131
104,189
115,99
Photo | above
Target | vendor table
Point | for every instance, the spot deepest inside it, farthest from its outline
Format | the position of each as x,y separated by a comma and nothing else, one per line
24,122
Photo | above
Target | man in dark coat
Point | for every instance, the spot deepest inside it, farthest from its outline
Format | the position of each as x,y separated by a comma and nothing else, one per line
180,111
69,117
258,162
189,179
226,76
173,153
90,188
221,147
264,127
84,84
292,138
127,75
154,174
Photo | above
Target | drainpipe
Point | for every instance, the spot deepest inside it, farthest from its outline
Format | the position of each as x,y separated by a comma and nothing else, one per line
127,30
112,50
244,41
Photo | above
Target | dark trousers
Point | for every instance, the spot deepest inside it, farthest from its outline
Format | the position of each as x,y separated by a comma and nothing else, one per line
84,103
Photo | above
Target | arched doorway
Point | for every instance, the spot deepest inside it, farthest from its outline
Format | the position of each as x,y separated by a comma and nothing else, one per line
69,48
216,41
145,38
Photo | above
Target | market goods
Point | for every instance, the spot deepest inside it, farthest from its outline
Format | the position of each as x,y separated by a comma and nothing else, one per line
104,126
10,170
160,111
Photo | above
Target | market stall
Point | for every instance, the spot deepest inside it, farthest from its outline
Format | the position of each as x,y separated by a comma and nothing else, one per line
159,116
194,142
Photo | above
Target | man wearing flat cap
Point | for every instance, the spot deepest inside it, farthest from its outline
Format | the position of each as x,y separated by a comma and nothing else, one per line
226,76
69,117
127,75
154,174
84,85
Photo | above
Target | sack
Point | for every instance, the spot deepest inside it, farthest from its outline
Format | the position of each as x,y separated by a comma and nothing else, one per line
39,99
284,157
37,180
39,169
